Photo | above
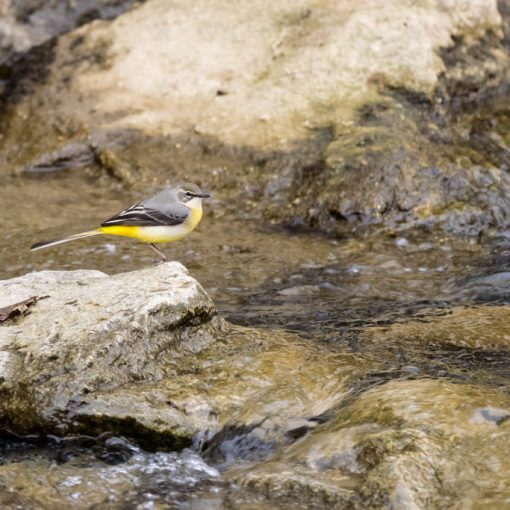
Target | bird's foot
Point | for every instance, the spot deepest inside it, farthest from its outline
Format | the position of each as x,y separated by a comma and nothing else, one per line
162,257
159,261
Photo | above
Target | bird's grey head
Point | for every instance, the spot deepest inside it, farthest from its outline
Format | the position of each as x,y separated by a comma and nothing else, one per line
187,192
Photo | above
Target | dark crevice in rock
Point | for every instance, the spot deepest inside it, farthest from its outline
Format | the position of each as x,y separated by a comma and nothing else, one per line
410,98
190,319
236,443
129,427
23,71
461,88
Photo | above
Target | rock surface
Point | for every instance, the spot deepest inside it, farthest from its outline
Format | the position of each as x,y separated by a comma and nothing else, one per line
476,328
333,115
296,423
403,445
62,365
312,64
146,355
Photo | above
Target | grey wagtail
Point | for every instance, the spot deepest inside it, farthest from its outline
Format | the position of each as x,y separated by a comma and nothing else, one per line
166,217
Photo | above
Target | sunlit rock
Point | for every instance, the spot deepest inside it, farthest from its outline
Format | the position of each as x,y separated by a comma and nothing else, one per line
330,115
90,335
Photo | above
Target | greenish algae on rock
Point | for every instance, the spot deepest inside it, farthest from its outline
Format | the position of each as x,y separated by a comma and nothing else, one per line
475,327
405,444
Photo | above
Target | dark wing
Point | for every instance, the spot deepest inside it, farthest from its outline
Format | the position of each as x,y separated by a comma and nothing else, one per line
139,215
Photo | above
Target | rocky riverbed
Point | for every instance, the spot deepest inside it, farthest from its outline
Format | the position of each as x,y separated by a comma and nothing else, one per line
390,409
339,338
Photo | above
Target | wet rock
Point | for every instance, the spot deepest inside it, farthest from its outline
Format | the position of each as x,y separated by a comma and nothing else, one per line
135,354
489,287
83,482
370,140
405,444
479,328
300,290
79,360
73,155
151,370
286,487
254,391
96,152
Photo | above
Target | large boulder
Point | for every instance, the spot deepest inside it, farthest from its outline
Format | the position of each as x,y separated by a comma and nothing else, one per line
87,336
333,115
260,80
145,354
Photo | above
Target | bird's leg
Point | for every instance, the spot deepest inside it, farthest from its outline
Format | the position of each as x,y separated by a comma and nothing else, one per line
161,255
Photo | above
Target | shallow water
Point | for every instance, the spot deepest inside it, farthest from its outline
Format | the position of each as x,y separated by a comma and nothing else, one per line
364,301
111,472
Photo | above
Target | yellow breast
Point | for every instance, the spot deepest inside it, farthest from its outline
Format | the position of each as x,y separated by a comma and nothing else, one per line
195,216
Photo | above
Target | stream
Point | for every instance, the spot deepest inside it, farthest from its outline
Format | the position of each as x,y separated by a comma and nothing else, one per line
366,300
364,369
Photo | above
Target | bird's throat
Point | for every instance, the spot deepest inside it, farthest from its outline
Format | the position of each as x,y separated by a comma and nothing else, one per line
195,216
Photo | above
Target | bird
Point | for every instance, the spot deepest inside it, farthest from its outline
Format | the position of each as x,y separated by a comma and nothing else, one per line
164,218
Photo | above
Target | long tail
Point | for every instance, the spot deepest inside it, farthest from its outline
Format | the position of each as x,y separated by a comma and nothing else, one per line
46,244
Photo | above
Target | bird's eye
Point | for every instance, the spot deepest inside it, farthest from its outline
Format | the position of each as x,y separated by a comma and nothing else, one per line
190,194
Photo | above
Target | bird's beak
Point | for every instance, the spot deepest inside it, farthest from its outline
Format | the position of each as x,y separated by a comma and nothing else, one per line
203,195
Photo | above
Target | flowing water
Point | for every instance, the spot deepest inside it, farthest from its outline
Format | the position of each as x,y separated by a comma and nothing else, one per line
380,310
390,343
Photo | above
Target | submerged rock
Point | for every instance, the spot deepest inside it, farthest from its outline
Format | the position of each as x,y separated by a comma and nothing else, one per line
67,476
79,359
74,155
476,328
402,445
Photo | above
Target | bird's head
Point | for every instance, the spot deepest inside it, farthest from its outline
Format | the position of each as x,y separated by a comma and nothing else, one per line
190,192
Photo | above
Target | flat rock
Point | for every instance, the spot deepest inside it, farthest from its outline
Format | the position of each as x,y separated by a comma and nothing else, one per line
62,364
